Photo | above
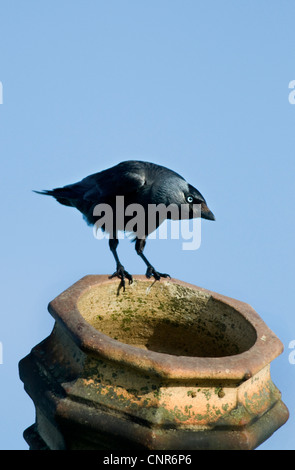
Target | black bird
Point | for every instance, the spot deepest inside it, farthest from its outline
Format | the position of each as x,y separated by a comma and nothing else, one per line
140,183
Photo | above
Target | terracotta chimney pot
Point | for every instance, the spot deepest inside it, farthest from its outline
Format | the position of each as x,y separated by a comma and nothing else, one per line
167,366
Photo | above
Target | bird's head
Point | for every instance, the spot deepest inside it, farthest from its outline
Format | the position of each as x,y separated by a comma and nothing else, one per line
194,199
176,191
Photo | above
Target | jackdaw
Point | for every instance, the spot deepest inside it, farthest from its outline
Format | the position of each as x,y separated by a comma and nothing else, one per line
132,182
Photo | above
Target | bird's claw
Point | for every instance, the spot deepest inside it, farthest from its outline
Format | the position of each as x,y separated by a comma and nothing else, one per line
122,274
152,272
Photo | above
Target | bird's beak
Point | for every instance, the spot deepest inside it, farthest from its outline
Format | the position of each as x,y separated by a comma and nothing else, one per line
206,213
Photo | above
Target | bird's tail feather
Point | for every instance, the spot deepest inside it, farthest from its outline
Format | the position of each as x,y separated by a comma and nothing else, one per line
60,194
44,192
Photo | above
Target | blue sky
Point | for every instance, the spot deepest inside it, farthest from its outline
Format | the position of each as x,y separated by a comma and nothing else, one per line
200,87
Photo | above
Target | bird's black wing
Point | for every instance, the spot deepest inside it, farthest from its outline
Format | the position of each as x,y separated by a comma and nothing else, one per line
120,180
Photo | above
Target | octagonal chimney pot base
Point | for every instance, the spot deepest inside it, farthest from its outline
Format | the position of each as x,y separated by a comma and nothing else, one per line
163,366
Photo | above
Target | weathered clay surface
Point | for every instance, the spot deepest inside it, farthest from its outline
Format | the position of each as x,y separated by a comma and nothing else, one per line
168,318
171,366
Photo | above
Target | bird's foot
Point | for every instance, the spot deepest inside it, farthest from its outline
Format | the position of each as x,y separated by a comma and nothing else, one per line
122,274
152,272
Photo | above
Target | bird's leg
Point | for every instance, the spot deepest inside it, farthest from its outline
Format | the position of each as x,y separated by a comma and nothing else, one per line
120,272
139,247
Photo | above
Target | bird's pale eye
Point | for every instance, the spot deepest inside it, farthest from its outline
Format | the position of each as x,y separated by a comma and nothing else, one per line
189,199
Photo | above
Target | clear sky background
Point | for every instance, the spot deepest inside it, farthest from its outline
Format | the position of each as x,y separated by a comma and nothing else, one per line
200,87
